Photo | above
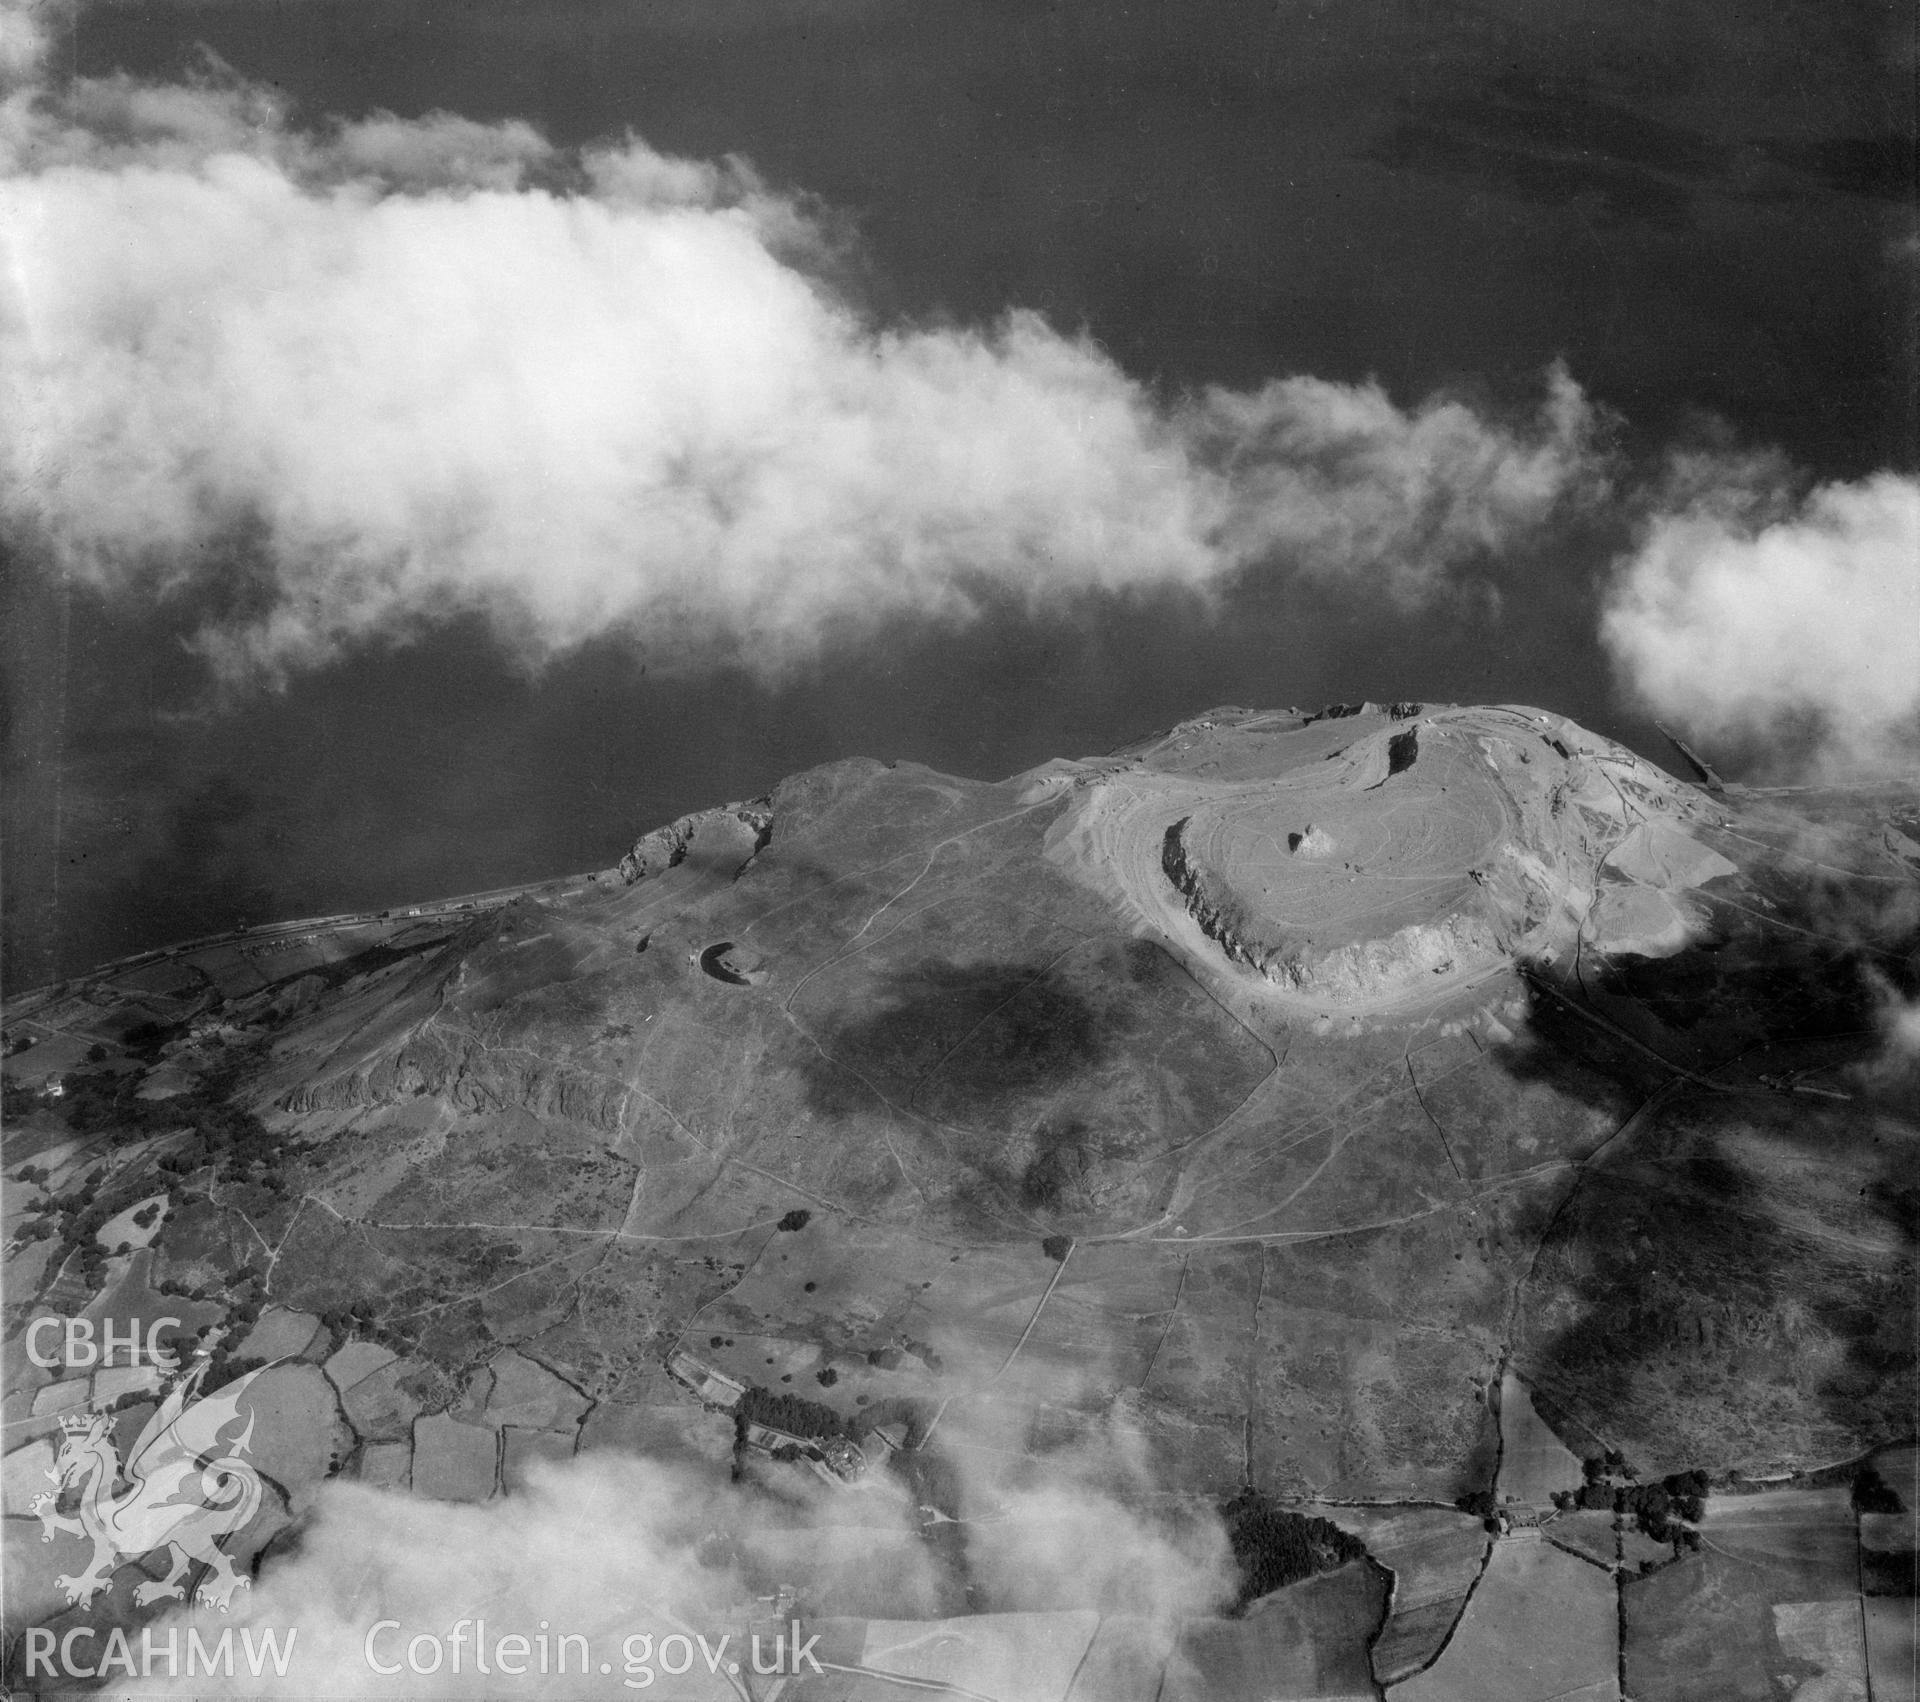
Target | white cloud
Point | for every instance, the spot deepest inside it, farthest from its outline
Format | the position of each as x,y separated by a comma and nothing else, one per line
1340,474
607,1546
604,1547
1080,1525
436,366
27,28
1743,615
1900,1027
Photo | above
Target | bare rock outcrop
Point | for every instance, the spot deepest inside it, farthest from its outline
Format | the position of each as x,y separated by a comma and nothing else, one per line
656,852
472,1076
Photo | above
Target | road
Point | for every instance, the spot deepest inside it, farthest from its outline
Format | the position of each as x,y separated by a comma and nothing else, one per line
564,886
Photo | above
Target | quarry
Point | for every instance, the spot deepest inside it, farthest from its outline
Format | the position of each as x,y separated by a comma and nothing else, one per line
1396,846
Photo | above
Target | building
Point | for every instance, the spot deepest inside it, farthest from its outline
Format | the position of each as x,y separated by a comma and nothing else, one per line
843,1457
710,1385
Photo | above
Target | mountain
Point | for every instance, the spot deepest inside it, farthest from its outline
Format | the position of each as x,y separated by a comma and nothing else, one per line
1347,1107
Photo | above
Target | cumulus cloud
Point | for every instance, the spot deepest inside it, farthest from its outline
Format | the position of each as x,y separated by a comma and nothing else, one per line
610,1548
426,366
1745,615
605,1547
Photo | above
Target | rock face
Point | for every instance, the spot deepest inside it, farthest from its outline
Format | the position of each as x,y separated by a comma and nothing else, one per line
665,847
468,1074
1421,853
1346,972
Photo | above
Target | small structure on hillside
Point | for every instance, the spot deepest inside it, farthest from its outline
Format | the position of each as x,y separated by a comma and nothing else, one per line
710,1385
1698,764
1519,1516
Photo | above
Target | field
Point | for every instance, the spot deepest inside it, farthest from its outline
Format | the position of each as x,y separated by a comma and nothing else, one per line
299,1434
536,1413
1306,1643
1435,1555
659,1421
453,1461
1770,1602
1893,1648
527,1395
1025,1654
1588,1534
121,1232
1533,1461
355,1362
1308,1640
386,1465
1807,1535
1540,1625
1125,1662
281,1333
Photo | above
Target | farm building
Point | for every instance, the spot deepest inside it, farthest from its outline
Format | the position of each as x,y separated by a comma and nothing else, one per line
709,1384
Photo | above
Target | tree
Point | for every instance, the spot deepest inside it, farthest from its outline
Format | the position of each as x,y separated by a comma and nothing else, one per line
792,1413
1649,1504
1274,1547
1872,1493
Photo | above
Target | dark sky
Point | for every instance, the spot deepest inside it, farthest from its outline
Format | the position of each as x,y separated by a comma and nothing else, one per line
1696,205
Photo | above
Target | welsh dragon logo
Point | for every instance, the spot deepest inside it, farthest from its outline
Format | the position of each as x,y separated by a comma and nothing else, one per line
185,1487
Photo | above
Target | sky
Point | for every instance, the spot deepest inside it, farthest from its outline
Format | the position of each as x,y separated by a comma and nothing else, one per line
441,443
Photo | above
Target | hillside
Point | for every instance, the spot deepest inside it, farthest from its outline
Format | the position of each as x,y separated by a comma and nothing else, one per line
1263,1093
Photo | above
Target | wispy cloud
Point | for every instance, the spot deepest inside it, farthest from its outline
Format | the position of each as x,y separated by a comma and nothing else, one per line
427,366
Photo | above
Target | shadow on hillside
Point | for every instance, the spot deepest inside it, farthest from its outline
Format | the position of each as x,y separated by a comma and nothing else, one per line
1735,1278
993,1038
